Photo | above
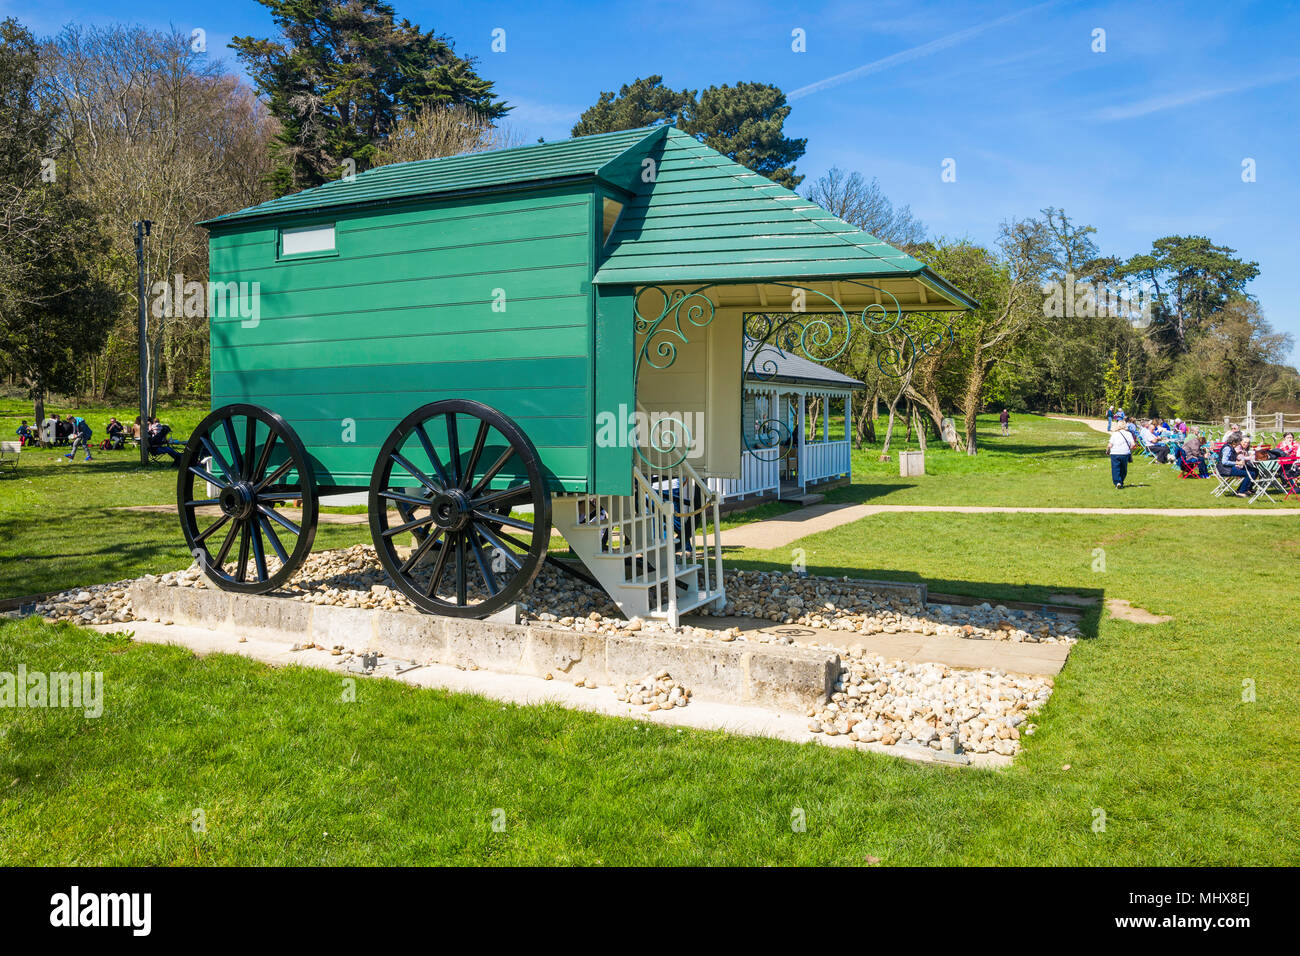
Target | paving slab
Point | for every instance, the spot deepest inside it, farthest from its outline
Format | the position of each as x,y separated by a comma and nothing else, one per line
1009,656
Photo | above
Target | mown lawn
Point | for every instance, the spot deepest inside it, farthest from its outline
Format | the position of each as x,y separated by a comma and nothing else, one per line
1150,719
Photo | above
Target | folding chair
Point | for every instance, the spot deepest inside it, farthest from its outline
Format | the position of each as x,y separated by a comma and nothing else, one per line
1267,478
1187,468
1224,483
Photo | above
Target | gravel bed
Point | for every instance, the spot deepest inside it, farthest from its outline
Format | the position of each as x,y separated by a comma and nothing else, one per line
876,700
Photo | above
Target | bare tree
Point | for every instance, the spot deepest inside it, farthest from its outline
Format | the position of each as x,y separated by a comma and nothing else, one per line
860,203
151,129
443,131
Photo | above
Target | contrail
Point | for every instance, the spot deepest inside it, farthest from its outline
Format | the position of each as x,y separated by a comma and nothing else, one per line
916,52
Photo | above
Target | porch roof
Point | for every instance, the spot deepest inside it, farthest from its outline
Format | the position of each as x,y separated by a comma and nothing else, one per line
776,366
707,219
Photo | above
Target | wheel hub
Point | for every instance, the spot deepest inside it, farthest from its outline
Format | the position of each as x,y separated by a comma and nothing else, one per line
237,500
451,510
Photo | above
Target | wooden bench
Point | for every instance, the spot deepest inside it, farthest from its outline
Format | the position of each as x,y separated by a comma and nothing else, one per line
9,452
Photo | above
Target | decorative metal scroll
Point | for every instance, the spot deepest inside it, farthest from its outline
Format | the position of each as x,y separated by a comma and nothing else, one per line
820,334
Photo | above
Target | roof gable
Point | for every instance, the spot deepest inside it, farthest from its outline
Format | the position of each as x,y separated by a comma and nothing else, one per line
707,218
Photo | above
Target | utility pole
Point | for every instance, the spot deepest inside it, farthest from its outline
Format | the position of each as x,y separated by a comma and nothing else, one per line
141,230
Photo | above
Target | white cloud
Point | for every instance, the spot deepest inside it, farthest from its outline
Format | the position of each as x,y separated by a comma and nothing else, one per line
915,53
1171,101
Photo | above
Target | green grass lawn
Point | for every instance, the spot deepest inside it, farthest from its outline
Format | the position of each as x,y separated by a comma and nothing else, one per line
1150,718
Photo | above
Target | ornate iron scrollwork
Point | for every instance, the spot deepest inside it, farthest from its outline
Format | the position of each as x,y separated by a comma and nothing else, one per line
820,334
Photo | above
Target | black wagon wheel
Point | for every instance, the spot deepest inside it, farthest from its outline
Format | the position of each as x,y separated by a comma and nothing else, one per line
442,494
254,463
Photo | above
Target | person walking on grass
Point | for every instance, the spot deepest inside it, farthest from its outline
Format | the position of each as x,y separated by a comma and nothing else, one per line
1110,417
1005,419
80,436
1120,448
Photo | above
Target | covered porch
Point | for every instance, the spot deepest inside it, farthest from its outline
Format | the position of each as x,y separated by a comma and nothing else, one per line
796,427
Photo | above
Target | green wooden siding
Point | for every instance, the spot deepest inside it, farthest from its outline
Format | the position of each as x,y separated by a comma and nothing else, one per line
346,345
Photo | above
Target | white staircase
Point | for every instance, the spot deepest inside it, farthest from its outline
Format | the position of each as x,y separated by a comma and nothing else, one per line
656,552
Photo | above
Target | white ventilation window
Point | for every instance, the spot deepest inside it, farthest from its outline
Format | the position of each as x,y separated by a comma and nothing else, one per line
306,240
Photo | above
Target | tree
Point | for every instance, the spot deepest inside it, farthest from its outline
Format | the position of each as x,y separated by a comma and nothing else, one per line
148,128
54,304
1192,278
1006,284
341,77
850,197
441,131
645,102
745,122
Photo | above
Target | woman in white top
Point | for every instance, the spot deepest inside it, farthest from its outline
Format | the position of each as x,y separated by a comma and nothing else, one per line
1120,448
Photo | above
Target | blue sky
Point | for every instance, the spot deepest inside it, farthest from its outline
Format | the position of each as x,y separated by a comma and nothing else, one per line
1144,140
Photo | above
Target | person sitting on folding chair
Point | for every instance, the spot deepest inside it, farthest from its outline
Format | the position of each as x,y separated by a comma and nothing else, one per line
1151,441
1191,458
159,443
116,434
1231,466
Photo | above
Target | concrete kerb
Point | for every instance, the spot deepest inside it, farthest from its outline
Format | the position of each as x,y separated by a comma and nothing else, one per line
771,676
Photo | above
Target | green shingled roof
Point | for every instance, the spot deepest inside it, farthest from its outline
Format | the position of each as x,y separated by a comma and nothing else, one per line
703,218
706,218
582,157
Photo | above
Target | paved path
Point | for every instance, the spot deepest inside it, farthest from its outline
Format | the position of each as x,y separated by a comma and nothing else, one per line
1024,658
793,525
325,517
1097,424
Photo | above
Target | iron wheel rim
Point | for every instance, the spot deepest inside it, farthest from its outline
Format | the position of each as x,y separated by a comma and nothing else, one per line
248,487
461,525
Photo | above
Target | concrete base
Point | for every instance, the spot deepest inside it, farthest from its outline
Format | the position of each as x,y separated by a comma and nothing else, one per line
749,720
781,678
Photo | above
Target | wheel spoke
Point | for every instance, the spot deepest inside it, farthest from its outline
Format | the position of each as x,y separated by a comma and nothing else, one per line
461,570
416,473
489,578
236,459
203,503
439,566
496,497
280,496
491,472
494,518
209,478
241,569
285,467
264,458
480,439
220,558
500,545
405,498
250,447
417,554
216,456
279,519
429,450
416,523
271,536
200,538
453,449
259,549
